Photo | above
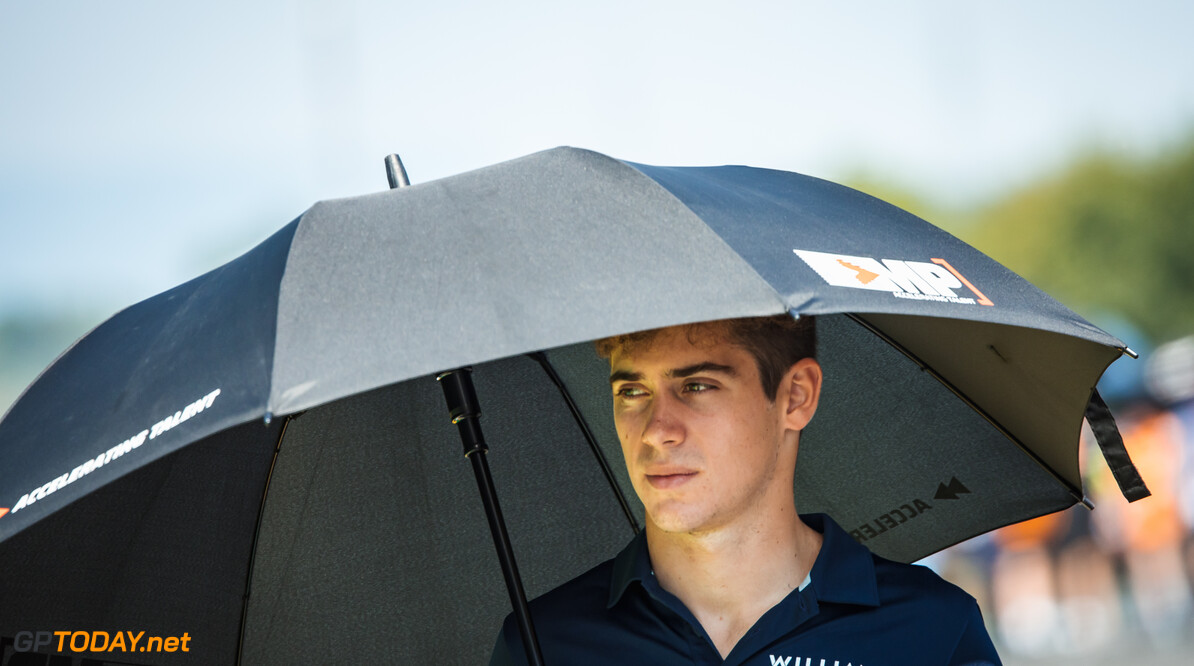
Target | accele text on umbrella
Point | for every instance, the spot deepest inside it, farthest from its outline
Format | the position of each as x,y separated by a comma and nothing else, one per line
116,451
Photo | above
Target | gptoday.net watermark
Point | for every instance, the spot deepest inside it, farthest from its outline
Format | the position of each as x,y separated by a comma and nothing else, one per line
98,642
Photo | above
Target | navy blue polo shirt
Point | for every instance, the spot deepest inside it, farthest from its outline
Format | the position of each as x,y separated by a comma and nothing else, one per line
857,609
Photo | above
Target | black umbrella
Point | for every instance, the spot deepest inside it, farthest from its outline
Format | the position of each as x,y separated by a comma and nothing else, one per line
262,459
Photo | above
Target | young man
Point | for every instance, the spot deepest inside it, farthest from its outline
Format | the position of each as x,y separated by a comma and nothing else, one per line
726,572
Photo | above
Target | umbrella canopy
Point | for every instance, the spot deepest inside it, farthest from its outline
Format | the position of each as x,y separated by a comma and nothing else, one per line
261,457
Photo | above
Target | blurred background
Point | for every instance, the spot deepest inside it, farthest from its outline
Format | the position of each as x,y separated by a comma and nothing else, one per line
144,143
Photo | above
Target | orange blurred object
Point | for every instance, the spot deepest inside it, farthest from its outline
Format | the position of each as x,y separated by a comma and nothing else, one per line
1155,522
1034,533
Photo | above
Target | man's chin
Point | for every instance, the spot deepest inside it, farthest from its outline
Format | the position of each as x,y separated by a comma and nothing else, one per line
676,520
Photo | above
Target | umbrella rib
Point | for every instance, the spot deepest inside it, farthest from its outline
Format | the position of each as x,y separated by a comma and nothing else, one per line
1076,493
541,359
244,611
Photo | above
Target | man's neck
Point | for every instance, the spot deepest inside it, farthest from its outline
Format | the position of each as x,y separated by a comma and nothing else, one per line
730,577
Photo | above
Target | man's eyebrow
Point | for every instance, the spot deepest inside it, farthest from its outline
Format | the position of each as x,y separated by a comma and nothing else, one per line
625,376
702,368
686,371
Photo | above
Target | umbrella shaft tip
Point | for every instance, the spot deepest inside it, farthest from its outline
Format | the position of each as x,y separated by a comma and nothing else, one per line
395,172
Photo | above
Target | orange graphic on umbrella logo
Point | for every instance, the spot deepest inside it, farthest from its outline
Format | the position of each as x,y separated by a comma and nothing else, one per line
863,275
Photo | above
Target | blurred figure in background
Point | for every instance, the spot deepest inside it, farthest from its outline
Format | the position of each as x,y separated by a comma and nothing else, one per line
1149,534
1024,585
1169,377
1089,605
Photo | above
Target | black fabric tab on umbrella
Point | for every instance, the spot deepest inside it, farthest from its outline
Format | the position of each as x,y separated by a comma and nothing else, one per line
1112,444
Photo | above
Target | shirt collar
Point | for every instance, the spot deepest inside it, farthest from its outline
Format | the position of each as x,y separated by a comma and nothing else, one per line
844,571
632,564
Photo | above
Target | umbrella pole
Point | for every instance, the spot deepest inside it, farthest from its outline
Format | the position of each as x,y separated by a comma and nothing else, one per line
466,414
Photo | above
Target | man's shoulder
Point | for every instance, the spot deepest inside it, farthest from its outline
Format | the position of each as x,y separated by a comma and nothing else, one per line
852,565
897,580
924,615
921,597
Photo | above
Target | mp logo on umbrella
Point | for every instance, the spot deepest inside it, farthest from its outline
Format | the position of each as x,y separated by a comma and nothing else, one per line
916,280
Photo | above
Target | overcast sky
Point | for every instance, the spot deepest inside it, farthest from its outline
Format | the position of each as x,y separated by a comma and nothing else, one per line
142,143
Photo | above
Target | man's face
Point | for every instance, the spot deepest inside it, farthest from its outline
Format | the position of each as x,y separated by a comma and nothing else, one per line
701,440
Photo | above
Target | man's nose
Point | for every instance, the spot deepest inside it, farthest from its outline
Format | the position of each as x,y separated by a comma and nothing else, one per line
665,427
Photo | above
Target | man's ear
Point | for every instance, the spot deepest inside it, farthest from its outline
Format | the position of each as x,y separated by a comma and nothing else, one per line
800,392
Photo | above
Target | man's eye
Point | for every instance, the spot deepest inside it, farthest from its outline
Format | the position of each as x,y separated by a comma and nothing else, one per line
698,387
629,392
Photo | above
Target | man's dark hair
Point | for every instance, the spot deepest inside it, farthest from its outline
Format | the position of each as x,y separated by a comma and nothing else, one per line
775,342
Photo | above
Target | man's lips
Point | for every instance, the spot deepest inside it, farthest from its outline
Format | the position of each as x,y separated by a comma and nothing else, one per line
669,478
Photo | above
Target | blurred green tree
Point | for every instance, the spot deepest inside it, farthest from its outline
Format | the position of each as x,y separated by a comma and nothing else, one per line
1108,234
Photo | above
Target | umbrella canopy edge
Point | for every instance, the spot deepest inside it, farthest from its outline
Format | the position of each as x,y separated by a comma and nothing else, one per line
202,365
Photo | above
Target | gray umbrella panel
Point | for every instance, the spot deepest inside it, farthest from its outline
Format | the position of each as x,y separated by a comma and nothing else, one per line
547,250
